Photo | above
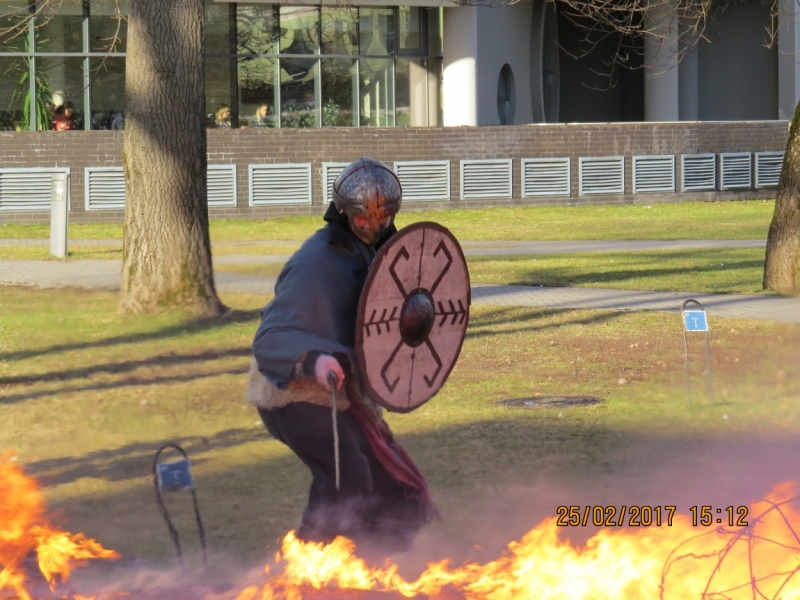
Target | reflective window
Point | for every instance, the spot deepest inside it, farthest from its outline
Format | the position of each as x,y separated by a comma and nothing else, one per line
108,93
339,30
60,27
376,31
12,17
14,90
298,92
299,30
60,83
418,92
410,30
217,29
257,93
376,92
339,92
218,91
107,27
435,31
256,29
506,96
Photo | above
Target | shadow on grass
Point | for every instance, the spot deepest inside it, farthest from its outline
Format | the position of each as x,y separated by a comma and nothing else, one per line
196,325
131,381
490,322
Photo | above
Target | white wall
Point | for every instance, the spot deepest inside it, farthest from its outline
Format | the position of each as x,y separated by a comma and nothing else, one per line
478,41
504,36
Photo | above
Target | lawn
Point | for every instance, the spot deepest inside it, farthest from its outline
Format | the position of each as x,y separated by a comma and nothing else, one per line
87,396
689,220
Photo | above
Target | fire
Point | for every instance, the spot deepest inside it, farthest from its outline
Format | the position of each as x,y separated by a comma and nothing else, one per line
24,528
669,562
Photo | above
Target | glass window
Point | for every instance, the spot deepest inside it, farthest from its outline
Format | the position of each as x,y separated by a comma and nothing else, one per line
299,30
376,92
217,28
435,108
60,27
435,31
12,19
410,30
60,81
339,89
256,29
218,92
108,93
257,92
298,92
411,93
339,30
376,31
108,27
14,92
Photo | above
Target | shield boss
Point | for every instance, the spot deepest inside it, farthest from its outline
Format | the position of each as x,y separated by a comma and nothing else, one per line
412,316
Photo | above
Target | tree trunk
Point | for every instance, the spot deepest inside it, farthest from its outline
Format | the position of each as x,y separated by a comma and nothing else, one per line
782,266
166,247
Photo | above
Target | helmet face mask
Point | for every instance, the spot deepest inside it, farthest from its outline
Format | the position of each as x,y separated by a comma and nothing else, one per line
369,194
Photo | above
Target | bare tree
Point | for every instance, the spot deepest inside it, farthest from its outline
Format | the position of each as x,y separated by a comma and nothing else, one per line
166,246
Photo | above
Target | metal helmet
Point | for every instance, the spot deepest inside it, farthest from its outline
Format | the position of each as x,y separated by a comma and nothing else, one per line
369,194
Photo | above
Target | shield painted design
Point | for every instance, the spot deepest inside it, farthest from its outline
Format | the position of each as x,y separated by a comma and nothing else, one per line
412,316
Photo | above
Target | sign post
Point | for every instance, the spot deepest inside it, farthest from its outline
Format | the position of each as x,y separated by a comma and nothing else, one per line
172,477
59,215
695,319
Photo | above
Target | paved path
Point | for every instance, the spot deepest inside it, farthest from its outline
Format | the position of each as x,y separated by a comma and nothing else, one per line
497,248
105,274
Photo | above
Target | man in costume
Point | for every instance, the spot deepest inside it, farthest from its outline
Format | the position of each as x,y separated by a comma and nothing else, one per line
308,332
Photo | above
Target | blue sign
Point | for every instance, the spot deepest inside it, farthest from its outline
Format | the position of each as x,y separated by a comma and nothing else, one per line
175,476
695,320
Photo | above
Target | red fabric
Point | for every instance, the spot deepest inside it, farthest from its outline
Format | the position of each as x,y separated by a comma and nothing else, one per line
391,454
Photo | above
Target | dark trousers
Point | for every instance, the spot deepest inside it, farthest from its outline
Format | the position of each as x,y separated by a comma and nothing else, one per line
370,504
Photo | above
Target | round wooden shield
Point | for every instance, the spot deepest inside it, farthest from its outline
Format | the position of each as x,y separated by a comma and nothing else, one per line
412,316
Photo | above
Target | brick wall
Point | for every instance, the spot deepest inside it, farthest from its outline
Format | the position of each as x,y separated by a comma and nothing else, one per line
81,149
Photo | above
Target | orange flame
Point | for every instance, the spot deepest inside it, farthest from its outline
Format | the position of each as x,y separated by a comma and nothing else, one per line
24,529
668,562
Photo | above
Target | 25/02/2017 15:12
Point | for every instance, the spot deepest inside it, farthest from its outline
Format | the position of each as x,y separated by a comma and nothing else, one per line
646,516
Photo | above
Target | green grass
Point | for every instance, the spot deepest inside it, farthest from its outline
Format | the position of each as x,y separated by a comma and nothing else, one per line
75,253
87,396
690,220
719,270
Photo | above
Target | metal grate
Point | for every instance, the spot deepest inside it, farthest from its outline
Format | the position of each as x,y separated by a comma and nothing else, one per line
698,172
602,175
486,178
280,184
105,188
24,190
735,171
653,174
330,171
424,180
221,181
768,169
545,177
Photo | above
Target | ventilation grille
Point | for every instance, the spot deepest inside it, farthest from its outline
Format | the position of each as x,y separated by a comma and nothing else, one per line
23,190
330,171
485,179
735,171
698,172
653,174
604,175
105,188
424,180
280,184
545,177
221,181
768,169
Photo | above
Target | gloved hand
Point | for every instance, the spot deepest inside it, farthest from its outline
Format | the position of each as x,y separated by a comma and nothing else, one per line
324,364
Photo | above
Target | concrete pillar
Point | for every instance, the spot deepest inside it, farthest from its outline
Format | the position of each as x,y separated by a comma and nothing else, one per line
661,81
788,59
418,93
460,66
59,215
